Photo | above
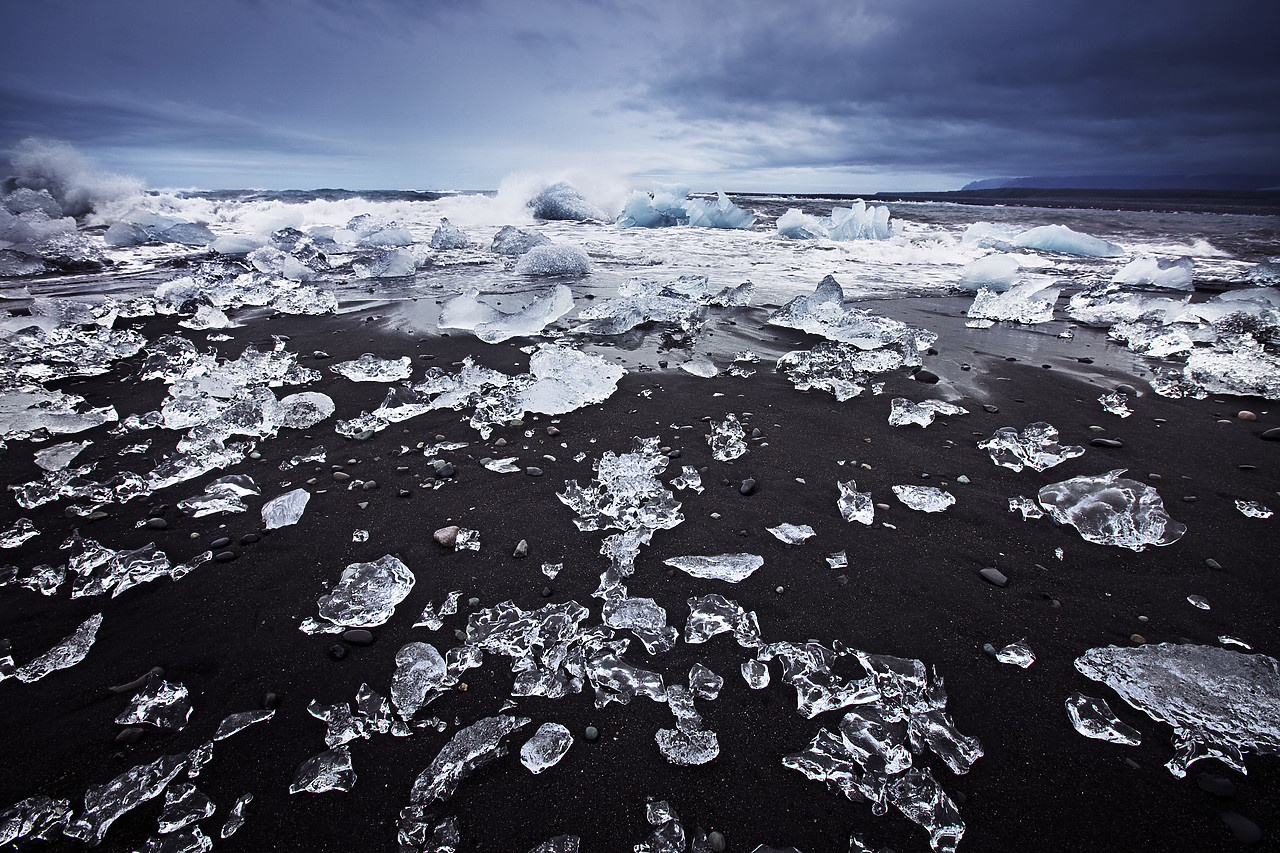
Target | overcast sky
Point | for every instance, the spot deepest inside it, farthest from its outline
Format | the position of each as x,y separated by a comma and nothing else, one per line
786,95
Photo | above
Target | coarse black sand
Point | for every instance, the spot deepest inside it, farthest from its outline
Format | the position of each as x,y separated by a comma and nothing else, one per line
229,631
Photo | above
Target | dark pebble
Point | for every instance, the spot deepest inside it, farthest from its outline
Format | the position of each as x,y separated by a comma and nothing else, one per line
675,454
843,580
369,485
1216,785
270,701
157,523
444,471
1189,499
1085,360
1272,434
1213,564
225,556
1247,467
1245,830
320,354
1009,358
926,376
249,538
990,407
989,650
591,733
670,573
1107,442
994,576
156,511
533,471
748,487
1127,389
551,430
1047,366
133,734
757,433
220,542
337,651
716,842
358,637
546,592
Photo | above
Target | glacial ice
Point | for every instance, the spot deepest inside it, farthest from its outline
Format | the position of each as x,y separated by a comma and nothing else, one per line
1027,506
561,201
24,412
1109,304
1029,302
468,750
449,236
902,411
823,313
1246,370
492,326
678,303
1116,403
756,674
997,272
727,439
703,367
1253,509
687,748
1036,447
222,495
840,368
791,534
858,222
1220,703
644,618
103,804
559,844
703,683
67,653
732,568
714,614
1017,654
1148,270
184,804
371,368
1110,510
58,456
22,530
306,409
235,817
668,835
160,703
689,479
626,493
554,259
1094,718
365,596
37,817
142,226
545,749
671,205
855,505
286,509
235,723
330,770
1061,239
924,498
513,241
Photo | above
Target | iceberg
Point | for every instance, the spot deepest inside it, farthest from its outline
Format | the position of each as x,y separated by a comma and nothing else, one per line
554,259
1061,239
561,201
1148,270
823,313
1111,510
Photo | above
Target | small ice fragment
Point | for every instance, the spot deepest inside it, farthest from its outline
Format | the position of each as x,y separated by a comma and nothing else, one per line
59,456
366,595
792,534
160,704
902,411
317,454
420,675
469,749
924,498
727,439
1116,403
359,535
1111,510
67,653
559,844
468,540
702,367
1198,601
756,674
1232,641
371,368
1059,553
687,748
838,560
1036,447
198,758
1018,654
855,505
285,509
239,722
545,749
1253,509
1094,718
235,817
733,568
22,530
703,683
1027,506
714,614
328,771
552,569
554,259
506,465
689,479
103,804
184,804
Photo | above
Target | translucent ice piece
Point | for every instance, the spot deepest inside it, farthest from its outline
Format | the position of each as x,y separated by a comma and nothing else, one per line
449,236
467,540
1116,403
327,771
286,509
1018,654
371,368
160,704
756,674
823,313
1221,703
420,675
493,326
559,844
807,668
545,749
1036,447
235,817
838,560
903,411
1027,506
59,456
703,683
689,479
239,722
726,439
22,530
103,804
1147,269
617,680
1060,238
1198,601
854,505
1094,718
702,367
918,795
469,749
552,569
1253,509
306,409
733,568
433,619
626,494
67,653
687,748
1027,302
37,817
191,840
222,495
1246,370
513,241
184,804
1111,510
924,498
714,614
792,534
367,593
506,465
553,259
668,835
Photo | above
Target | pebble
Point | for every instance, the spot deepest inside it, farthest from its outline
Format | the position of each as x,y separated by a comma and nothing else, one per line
748,487
358,637
551,430
716,841
1127,389
1247,467
1246,415
321,354
1245,830
341,476
990,407
546,592
962,479
1189,499
445,471
249,538
1213,564
473,602
522,549
133,734
780,590
157,523
926,376
1106,442
157,511
220,542
843,580
403,493
460,635
363,504
1138,639
995,576
369,485
675,454
446,536
225,556
591,733
270,701
533,471
337,651
757,433
1144,619
1272,434
1217,785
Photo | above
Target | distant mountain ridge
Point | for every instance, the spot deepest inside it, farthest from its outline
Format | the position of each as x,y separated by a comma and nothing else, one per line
1229,182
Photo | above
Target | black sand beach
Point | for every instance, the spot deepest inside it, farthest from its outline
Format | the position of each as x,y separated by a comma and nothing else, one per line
229,631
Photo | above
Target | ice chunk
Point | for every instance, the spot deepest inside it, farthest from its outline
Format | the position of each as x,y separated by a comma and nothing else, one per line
1027,506
1116,403
687,748
386,262
838,559
23,412
921,799
160,704
823,313
618,680
371,368
235,817
1146,269
807,668
840,368
1060,238
328,771
735,296
644,618
22,530
286,509
559,844
103,804
449,236
858,222
902,411
924,498
665,207
855,505
561,201
516,241
689,479
997,272
1111,510
704,683
727,439
365,596
545,749
506,465
1246,370
1253,509
433,620
721,213
552,569
1221,703
37,817
143,226
420,676
703,367
791,534
1094,718
306,409
235,723
222,495
626,493
1028,302
1017,654
468,750
714,614
554,259
184,804
797,225
67,653
756,674
1036,447
492,326
59,456
668,835
733,568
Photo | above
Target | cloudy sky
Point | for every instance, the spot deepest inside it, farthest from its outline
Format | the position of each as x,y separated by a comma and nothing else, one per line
785,95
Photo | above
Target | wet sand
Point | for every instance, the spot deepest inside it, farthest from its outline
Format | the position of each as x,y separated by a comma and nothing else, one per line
229,631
